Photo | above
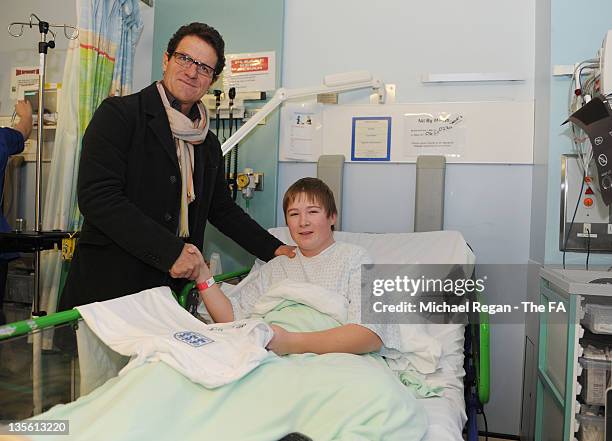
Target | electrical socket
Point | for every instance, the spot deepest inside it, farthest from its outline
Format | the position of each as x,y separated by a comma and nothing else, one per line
259,181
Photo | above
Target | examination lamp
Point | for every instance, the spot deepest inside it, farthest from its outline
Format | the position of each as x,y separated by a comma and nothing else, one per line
342,82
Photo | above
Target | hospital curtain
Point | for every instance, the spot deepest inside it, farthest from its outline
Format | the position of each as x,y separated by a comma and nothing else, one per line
98,64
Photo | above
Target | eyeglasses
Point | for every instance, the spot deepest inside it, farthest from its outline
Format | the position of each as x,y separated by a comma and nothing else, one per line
186,61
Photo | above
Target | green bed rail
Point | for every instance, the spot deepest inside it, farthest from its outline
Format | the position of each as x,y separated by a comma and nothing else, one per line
182,298
483,362
23,327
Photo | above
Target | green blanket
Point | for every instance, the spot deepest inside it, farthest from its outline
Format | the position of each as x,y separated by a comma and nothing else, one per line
327,397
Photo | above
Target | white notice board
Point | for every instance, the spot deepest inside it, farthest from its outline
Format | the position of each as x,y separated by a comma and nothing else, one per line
465,132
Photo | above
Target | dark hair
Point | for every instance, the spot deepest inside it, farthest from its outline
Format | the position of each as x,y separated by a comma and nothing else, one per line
207,33
316,190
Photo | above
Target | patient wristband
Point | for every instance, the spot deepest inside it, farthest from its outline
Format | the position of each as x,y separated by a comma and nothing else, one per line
203,286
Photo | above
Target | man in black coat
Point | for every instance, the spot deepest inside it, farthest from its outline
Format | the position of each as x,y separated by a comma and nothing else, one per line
150,176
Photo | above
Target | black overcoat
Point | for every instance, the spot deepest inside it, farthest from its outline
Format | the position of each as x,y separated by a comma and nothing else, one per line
128,189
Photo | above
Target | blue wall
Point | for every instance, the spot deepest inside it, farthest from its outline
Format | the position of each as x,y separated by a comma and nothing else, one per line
577,32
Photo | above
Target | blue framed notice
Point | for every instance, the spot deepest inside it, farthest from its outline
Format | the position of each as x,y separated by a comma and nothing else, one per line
371,138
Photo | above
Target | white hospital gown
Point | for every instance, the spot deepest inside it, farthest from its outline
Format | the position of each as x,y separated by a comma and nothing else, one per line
337,268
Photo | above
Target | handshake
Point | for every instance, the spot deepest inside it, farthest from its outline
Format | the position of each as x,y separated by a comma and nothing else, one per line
190,265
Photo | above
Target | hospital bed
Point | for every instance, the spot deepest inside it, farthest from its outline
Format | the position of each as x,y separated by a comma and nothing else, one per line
464,379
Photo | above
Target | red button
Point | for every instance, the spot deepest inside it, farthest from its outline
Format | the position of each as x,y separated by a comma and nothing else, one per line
587,179
588,191
588,202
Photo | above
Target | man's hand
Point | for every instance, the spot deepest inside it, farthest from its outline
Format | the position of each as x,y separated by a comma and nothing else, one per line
23,109
188,264
285,250
282,342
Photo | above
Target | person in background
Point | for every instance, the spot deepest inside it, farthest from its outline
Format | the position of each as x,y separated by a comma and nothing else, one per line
12,142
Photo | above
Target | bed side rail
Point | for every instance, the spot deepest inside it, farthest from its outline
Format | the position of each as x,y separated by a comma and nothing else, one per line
482,356
183,297
23,327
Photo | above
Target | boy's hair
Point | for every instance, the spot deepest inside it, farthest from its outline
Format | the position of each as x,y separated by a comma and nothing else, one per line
206,33
315,190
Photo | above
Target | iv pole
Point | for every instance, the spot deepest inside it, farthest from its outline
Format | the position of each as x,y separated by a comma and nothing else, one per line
43,46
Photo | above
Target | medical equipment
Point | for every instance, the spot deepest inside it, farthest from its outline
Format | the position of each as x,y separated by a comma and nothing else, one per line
232,158
16,29
591,118
595,119
248,182
447,411
584,217
218,111
220,100
331,83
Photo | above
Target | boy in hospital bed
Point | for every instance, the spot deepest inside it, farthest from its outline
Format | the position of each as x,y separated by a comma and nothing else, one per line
334,396
310,213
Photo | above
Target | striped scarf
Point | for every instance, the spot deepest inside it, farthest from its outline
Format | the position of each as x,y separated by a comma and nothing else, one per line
186,134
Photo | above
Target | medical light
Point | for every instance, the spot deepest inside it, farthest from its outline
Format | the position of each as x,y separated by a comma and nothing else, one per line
331,84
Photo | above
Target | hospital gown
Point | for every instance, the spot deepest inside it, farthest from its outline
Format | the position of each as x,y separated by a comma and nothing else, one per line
337,268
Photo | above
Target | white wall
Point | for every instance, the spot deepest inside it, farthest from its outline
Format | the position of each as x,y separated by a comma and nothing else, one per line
398,41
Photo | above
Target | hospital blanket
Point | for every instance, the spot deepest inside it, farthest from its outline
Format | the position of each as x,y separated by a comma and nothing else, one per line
327,397
420,353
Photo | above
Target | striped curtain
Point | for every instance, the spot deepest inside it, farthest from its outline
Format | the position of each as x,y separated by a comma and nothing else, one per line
98,64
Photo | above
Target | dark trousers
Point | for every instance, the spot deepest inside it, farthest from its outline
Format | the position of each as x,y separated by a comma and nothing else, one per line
3,276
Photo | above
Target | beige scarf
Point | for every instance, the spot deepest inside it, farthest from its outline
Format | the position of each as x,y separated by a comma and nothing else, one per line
186,134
